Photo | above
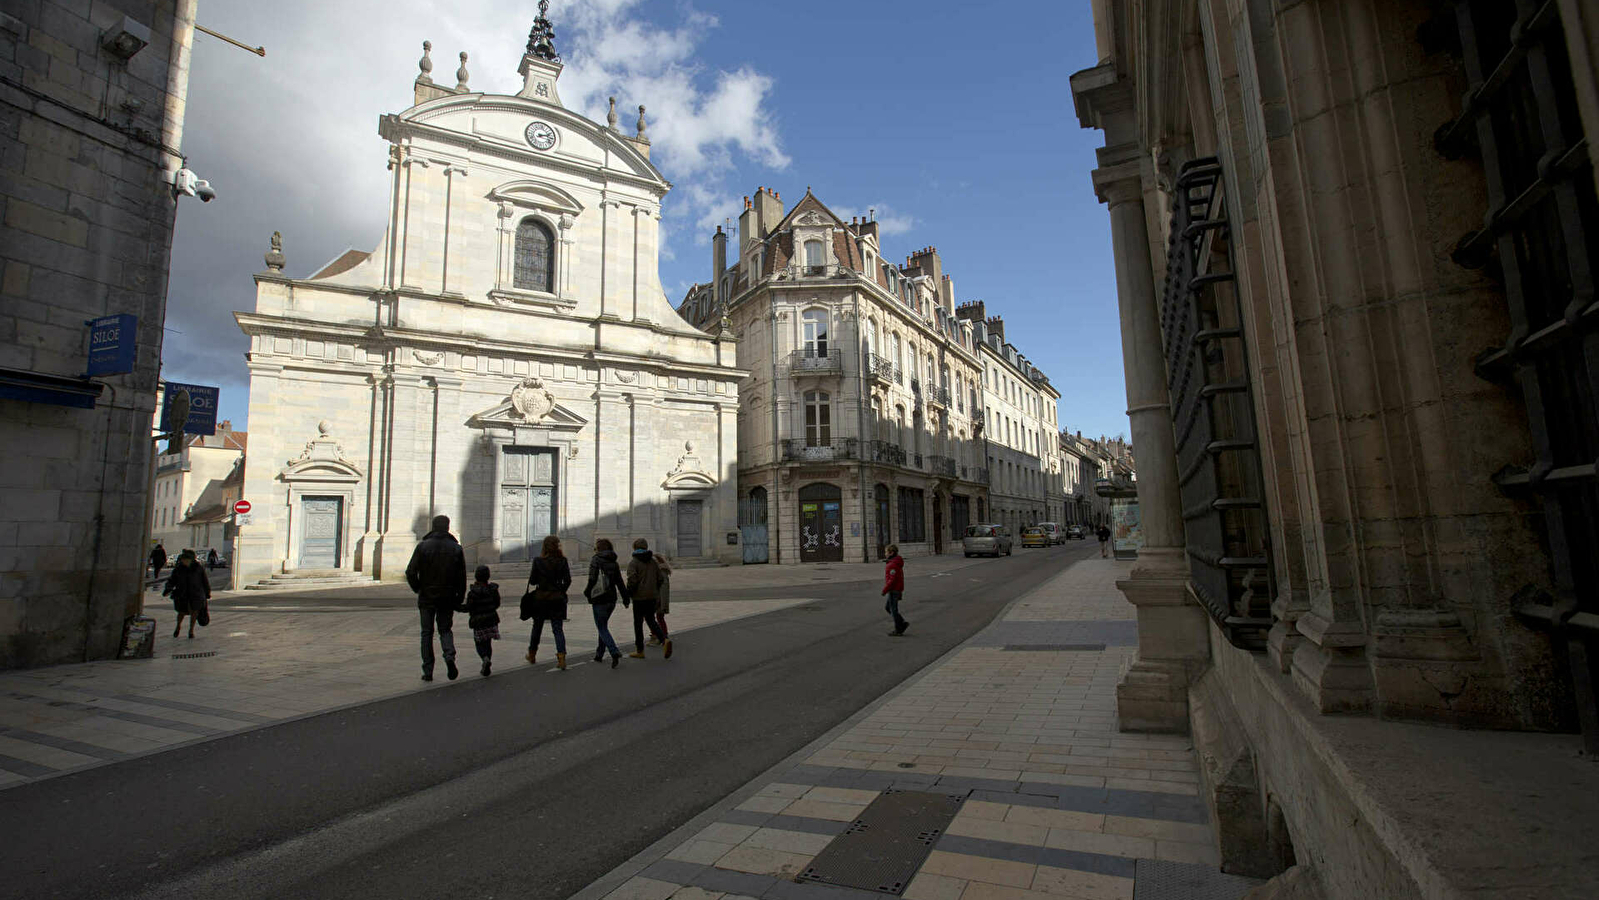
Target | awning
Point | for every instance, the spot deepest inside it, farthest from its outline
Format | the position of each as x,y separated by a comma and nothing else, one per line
35,387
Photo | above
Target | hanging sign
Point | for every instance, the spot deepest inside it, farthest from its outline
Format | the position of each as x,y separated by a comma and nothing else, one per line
111,345
202,405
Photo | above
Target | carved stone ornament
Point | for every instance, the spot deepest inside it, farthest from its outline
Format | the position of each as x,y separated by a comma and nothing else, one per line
811,218
323,448
530,399
428,357
689,473
626,377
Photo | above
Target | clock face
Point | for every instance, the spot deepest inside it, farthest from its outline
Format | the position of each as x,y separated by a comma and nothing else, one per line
541,136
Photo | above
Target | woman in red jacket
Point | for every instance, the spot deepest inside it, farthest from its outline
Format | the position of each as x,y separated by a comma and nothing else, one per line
894,587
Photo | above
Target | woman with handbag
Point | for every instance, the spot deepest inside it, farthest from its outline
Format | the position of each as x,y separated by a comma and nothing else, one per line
545,600
189,589
604,586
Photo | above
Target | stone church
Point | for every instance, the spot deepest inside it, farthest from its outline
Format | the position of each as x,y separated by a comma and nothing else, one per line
506,356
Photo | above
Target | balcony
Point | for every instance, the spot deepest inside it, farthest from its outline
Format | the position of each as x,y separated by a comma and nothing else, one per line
883,369
941,465
938,396
801,450
978,474
885,452
819,359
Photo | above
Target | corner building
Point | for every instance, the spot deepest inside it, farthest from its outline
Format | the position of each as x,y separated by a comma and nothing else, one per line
860,422
505,356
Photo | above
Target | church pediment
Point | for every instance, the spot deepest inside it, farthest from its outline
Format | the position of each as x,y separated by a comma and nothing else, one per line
530,403
689,474
537,194
322,460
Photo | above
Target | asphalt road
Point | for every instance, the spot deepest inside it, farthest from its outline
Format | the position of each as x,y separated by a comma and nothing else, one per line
526,784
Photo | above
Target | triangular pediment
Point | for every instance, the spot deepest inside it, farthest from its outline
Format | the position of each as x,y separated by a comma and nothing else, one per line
507,414
809,210
537,194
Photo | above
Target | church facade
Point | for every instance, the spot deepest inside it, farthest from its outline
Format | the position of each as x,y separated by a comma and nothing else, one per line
506,356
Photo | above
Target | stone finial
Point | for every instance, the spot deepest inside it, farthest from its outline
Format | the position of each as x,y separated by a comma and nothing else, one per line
610,117
641,125
461,75
274,257
426,63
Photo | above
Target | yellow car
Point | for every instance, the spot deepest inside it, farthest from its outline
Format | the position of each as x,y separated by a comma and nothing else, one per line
1034,537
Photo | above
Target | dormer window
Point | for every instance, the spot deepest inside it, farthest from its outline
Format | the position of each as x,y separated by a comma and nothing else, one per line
535,257
815,258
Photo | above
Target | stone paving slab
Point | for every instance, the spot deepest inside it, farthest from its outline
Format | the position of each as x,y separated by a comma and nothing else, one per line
269,667
1058,803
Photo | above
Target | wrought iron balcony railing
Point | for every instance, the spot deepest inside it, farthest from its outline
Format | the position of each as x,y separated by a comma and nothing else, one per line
883,369
820,358
941,465
938,396
885,452
801,449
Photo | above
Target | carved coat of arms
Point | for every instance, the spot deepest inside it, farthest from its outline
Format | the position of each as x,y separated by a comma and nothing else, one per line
531,400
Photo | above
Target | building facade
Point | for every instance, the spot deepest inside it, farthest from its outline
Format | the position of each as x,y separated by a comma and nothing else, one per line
1081,466
1019,415
91,119
861,425
194,490
506,355
1355,250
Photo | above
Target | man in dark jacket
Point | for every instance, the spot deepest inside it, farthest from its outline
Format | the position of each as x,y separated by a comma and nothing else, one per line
644,585
158,560
437,573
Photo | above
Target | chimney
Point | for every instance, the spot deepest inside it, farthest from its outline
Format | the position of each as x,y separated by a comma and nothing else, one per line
973,311
746,234
768,211
718,265
948,290
927,260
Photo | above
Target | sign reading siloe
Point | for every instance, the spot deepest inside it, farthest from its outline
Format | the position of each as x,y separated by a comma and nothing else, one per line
112,344
202,417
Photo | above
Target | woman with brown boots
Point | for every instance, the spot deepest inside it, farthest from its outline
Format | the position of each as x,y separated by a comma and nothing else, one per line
545,600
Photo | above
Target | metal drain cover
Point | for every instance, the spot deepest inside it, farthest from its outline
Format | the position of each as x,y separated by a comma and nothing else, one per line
881,850
201,655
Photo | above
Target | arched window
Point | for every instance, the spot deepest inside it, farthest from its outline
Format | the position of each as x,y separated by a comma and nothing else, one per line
535,257
814,257
814,323
818,419
871,336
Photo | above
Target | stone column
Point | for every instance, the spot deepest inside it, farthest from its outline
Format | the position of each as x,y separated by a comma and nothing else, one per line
406,477
1173,642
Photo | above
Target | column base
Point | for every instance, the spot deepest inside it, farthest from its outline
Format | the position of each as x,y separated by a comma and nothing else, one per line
1152,698
1330,666
391,554
1173,645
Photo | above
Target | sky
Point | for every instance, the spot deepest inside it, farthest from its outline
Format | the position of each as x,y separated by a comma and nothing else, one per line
953,121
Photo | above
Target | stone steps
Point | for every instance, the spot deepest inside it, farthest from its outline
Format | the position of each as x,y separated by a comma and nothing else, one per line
309,579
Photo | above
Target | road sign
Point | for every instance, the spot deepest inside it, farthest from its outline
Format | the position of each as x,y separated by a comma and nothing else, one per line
202,417
241,519
242,507
112,344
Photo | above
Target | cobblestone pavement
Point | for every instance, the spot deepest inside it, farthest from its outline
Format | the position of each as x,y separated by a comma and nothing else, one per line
1020,720
254,668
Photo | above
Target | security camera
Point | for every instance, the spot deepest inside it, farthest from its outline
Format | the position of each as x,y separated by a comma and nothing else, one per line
185,182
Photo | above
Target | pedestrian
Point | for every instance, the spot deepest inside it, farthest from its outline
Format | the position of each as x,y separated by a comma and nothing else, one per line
663,600
1104,540
545,600
189,589
211,559
604,586
482,615
644,584
437,572
158,560
894,587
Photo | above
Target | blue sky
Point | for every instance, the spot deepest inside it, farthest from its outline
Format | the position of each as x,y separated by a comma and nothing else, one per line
954,120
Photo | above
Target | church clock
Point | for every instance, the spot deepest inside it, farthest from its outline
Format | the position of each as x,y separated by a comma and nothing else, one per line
541,136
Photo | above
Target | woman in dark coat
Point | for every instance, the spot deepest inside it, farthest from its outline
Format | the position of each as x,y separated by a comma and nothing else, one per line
189,589
603,603
545,600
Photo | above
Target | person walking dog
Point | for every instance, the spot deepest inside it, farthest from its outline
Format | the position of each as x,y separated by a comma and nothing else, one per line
189,589
604,586
482,616
894,587
437,573
644,583
545,600
1104,540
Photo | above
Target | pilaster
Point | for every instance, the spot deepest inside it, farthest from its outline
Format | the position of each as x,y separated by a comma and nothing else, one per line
403,518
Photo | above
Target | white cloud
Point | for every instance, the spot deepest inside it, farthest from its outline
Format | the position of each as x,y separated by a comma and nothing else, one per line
889,221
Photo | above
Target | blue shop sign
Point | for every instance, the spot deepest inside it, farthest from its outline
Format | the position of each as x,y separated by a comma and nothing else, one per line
112,344
202,408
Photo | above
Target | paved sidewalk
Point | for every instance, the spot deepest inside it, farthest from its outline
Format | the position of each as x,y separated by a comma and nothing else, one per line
254,668
1020,721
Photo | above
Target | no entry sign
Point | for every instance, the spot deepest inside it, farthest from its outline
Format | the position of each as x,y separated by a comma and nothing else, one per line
242,507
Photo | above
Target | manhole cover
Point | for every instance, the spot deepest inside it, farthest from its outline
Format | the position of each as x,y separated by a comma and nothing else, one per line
200,655
881,850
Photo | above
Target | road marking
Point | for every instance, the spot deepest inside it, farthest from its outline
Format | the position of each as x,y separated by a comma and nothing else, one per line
939,575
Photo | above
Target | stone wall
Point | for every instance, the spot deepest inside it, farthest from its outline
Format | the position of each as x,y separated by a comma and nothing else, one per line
87,146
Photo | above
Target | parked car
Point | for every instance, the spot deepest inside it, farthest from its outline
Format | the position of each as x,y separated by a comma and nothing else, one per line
1034,536
1053,532
989,539
1075,533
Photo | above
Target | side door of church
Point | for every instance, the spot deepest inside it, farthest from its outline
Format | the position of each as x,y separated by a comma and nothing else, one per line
527,501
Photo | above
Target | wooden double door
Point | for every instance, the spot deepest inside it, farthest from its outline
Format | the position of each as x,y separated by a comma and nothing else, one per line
529,488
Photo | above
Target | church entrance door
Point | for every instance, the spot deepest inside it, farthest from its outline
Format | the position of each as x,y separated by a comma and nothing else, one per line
527,501
688,528
320,526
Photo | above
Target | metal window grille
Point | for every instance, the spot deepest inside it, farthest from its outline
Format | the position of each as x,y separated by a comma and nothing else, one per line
1213,415
1520,115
